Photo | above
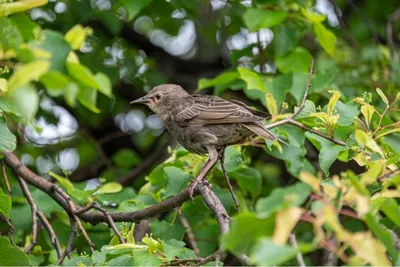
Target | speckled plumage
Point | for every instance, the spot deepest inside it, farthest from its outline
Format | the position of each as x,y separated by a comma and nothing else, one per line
202,123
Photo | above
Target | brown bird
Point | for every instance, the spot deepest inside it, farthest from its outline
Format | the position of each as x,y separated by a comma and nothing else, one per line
204,124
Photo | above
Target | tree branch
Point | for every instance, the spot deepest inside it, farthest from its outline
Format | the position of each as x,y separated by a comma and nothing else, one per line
189,232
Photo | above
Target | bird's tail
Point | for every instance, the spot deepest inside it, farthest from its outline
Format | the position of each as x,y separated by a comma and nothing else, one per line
260,130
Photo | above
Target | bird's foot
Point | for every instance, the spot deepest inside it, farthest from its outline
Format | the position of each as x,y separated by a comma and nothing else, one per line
192,186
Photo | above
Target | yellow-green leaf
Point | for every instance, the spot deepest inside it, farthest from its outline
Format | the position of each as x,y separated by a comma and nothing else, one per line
312,16
111,187
26,73
370,176
326,38
271,105
364,139
286,220
104,84
3,85
368,111
76,36
311,180
252,79
332,103
367,247
19,6
82,74
382,95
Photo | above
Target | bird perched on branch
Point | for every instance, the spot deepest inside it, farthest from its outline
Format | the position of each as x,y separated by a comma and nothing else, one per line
204,124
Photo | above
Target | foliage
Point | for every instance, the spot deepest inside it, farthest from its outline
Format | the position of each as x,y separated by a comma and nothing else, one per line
70,68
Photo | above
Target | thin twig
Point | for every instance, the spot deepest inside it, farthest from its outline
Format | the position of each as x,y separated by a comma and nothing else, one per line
387,175
221,159
34,210
73,210
189,232
6,179
110,220
11,228
71,239
209,258
52,234
299,256
303,102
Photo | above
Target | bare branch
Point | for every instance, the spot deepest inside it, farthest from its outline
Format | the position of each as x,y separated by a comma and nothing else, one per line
70,243
221,159
110,220
189,232
303,102
215,205
299,256
6,179
34,210
52,234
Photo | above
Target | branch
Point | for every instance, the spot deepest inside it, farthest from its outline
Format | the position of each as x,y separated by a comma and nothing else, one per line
36,213
189,232
291,120
93,217
221,159
215,205
71,239
6,179
110,220
299,256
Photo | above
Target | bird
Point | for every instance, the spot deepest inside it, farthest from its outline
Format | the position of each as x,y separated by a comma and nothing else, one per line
204,124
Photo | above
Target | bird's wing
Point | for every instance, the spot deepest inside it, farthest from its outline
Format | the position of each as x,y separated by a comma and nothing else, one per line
214,110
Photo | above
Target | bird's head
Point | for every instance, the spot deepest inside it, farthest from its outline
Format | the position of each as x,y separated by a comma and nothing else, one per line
161,97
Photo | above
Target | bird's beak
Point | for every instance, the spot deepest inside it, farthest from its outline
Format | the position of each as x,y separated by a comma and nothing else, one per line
142,100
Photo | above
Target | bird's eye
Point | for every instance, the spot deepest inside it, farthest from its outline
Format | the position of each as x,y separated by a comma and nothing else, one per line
158,96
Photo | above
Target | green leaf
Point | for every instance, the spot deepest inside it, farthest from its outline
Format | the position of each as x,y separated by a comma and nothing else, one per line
245,230
176,181
292,155
249,180
28,72
26,101
268,253
166,231
5,204
382,95
54,43
286,38
173,248
82,74
110,188
252,79
347,113
123,260
299,60
223,78
382,234
256,19
391,210
143,258
11,256
134,7
308,109
126,158
325,38
71,93
10,37
329,152
88,98
71,189
299,85
323,79
7,9
104,84
25,25
55,83
281,85
294,195
232,159
8,141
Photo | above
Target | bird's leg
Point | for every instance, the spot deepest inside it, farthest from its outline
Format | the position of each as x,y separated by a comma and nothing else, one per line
213,157
221,155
